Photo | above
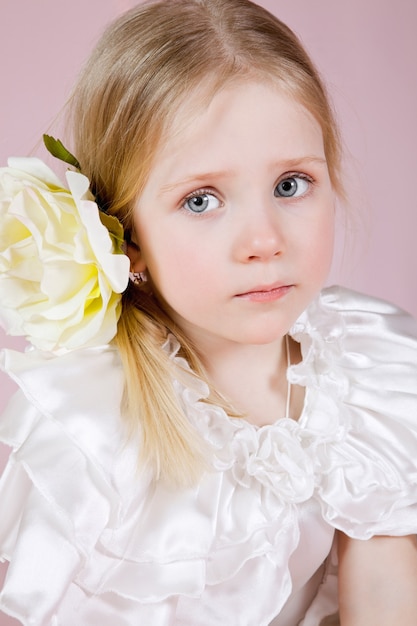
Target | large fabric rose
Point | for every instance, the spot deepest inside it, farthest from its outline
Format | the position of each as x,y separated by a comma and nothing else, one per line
62,267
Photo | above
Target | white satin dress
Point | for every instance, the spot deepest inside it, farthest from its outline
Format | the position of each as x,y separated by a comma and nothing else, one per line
93,542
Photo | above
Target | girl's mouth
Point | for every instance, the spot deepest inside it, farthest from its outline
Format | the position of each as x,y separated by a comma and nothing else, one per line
267,293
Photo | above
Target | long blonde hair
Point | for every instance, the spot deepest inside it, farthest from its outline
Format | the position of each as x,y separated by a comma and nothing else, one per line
140,73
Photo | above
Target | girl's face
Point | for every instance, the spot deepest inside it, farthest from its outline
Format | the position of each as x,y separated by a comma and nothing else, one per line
235,224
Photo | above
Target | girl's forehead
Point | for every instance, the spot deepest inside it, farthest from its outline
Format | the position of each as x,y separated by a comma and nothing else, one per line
203,104
232,106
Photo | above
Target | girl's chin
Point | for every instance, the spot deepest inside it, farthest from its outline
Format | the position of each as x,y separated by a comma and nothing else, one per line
263,337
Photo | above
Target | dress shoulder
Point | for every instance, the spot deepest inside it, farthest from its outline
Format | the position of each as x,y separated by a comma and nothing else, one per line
360,370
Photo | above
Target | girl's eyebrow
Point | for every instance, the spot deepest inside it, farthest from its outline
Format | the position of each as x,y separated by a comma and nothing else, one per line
199,178
196,179
296,162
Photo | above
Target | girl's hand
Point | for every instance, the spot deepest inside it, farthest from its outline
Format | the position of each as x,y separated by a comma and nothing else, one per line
378,581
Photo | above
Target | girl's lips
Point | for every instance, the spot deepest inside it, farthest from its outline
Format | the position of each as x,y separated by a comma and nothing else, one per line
265,293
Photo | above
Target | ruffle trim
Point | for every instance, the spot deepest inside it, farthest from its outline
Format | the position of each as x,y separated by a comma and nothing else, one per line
350,452
352,448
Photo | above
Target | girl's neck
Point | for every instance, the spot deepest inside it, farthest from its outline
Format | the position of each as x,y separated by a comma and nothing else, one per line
253,378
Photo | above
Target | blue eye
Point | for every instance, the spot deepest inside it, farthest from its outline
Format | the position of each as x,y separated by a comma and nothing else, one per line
201,202
292,187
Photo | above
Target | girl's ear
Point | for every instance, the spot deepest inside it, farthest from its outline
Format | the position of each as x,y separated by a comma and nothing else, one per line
133,251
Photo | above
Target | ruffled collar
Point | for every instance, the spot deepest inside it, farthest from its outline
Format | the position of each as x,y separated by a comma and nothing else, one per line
281,457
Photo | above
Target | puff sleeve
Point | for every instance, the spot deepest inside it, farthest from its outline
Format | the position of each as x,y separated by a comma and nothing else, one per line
360,371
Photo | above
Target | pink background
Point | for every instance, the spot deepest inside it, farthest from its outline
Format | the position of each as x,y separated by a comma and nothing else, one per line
365,49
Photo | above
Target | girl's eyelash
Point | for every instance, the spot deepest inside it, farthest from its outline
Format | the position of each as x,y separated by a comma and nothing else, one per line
301,175
196,193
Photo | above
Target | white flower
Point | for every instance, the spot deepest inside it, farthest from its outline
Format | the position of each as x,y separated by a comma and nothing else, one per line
61,270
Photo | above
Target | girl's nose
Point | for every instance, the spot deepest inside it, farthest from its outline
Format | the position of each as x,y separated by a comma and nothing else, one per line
259,236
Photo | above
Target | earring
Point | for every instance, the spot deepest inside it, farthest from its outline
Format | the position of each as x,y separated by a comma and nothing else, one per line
138,277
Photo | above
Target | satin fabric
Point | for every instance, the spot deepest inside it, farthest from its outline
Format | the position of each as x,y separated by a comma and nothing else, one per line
91,540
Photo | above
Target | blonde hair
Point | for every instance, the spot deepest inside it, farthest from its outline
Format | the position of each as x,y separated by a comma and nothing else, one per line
142,70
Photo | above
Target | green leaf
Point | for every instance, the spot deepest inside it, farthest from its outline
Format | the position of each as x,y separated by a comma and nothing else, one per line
58,150
115,229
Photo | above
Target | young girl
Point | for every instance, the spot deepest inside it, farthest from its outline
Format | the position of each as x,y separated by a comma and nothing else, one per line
224,443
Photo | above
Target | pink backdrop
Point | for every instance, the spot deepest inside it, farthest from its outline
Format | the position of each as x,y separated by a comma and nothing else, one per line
365,49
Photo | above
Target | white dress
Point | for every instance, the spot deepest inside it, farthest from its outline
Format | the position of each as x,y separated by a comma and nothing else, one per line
94,542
